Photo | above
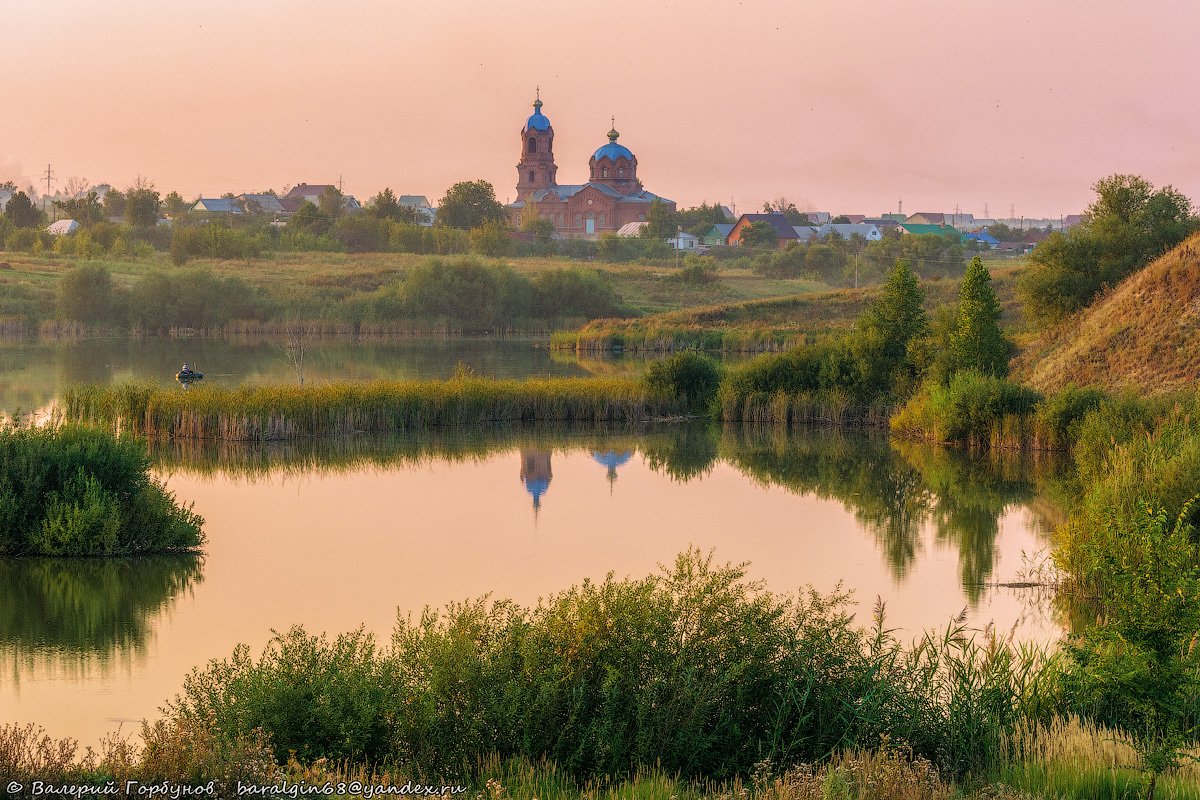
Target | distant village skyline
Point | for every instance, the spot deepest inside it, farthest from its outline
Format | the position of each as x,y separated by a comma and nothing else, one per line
997,111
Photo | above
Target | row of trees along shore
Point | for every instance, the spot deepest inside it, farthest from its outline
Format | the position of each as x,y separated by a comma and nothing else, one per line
469,219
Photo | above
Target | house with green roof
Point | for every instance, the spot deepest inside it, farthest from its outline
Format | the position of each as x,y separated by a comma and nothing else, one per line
914,229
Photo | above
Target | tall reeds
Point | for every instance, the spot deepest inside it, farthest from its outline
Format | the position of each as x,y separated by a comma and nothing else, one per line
259,413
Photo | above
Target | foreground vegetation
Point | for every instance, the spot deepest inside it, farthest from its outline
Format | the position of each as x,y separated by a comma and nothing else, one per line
81,492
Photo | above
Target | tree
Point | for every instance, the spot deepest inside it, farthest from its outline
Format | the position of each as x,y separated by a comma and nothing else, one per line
661,221
888,330
781,205
114,203
491,239
699,219
85,294
141,203
841,219
470,204
542,228
86,210
759,234
309,218
384,205
175,205
976,342
331,203
21,211
1126,226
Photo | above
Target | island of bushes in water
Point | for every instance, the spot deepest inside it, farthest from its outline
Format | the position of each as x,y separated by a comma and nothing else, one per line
74,491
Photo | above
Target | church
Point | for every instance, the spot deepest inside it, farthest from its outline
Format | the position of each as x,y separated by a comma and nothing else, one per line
612,196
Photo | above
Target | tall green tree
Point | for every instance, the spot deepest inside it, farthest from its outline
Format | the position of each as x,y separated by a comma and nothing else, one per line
889,333
470,204
21,211
759,234
114,203
661,221
142,206
331,203
175,205
976,342
385,205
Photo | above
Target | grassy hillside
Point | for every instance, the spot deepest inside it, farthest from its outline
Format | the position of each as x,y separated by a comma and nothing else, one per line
1144,334
328,285
770,323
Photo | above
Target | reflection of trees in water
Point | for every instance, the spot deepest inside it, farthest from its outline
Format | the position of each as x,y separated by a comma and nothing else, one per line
77,612
893,490
861,471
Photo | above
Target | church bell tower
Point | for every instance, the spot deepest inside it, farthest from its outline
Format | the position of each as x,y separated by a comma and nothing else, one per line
536,169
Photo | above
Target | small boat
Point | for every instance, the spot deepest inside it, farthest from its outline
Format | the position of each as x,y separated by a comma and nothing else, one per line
188,376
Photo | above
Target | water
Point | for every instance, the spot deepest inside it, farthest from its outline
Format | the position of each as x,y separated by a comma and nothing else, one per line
337,534
33,373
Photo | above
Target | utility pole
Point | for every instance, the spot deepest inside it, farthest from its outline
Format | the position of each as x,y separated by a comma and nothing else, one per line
48,177
341,187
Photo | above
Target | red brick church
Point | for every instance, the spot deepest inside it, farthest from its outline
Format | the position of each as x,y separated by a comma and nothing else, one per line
612,196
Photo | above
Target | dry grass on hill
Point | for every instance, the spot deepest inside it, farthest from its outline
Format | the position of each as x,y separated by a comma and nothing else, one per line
1144,334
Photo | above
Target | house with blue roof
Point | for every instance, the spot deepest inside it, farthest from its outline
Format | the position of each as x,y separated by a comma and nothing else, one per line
612,197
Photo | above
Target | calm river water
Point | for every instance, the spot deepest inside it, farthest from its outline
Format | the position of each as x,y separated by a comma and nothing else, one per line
337,534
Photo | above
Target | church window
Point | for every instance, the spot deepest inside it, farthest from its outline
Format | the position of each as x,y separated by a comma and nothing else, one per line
579,220
561,221
621,172
532,145
604,172
531,176
601,221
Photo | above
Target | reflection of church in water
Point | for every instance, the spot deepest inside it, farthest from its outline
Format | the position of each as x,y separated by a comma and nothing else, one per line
536,472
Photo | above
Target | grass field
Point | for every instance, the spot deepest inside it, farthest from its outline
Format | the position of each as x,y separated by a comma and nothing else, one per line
776,321
300,279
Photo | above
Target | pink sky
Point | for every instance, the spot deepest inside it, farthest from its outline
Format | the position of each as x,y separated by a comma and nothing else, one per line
838,107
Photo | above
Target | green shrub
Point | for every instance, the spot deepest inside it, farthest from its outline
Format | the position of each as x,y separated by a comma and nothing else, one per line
83,492
689,379
695,670
971,409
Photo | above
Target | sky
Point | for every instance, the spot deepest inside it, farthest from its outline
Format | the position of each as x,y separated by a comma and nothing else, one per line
850,108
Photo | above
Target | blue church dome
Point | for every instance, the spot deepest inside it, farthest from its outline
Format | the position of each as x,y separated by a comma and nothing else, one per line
537,121
612,150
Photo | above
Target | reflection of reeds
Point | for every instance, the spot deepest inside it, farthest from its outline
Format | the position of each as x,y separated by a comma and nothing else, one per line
338,454
283,412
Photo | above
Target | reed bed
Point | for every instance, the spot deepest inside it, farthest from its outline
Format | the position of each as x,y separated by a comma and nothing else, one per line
269,413
672,339
806,409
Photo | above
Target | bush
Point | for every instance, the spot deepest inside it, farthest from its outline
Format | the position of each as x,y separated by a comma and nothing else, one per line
695,670
83,492
192,299
574,293
698,270
690,379
971,409
87,294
